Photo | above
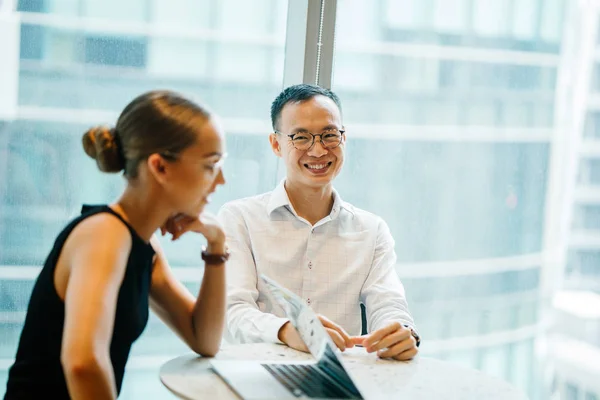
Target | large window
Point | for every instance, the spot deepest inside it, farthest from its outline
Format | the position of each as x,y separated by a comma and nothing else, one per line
434,94
458,98
454,111
79,64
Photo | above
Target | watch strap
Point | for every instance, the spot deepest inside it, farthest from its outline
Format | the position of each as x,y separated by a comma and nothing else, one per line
414,334
214,259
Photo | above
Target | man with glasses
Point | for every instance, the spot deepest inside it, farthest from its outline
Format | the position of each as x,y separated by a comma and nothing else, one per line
305,237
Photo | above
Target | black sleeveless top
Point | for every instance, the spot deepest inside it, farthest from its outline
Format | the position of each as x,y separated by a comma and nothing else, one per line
37,371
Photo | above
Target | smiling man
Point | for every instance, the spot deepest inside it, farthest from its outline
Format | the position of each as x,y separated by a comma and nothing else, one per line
304,236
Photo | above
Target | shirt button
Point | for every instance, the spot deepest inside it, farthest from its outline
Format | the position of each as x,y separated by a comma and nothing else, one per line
308,301
310,265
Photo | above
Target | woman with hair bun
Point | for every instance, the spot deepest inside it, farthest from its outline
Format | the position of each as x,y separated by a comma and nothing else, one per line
106,269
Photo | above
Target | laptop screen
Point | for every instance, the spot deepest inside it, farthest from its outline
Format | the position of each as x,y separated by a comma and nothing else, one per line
303,318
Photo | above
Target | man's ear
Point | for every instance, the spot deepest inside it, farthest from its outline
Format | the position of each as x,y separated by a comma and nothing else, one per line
158,167
275,145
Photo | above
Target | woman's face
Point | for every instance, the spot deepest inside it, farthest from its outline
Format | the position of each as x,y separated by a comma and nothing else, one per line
197,171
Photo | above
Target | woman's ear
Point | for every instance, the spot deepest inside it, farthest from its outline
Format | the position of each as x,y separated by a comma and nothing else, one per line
158,167
275,145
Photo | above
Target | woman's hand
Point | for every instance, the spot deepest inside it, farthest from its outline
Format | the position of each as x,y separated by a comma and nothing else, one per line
207,225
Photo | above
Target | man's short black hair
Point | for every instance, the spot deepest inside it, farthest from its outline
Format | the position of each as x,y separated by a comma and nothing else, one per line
298,94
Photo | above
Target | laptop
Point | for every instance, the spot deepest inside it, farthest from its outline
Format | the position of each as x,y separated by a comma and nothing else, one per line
323,378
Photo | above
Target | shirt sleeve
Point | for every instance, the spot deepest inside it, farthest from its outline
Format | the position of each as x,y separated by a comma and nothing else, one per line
382,293
245,322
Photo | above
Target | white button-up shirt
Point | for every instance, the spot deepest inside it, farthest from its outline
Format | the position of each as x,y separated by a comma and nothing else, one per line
345,259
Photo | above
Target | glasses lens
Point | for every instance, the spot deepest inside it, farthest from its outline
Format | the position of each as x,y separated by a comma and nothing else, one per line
302,141
219,164
332,139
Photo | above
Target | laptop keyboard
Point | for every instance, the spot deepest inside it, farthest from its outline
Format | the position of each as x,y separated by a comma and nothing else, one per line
307,380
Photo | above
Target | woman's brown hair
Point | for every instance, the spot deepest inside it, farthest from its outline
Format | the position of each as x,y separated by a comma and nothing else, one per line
161,122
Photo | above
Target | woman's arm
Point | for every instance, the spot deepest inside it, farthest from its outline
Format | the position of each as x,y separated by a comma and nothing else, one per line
96,264
199,322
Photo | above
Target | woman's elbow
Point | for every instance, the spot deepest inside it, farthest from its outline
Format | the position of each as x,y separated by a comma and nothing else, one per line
79,364
206,351
206,342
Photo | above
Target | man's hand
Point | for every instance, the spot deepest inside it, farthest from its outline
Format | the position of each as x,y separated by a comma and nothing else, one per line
339,336
393,341
290,336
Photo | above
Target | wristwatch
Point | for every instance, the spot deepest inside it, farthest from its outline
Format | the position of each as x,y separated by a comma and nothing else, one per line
414,334
214,259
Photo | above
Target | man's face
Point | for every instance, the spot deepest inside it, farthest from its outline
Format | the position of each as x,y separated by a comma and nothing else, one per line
316,166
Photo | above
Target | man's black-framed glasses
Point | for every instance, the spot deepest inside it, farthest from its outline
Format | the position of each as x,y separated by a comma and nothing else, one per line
330,139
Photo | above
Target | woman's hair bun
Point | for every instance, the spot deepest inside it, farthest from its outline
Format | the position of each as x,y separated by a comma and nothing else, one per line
101,143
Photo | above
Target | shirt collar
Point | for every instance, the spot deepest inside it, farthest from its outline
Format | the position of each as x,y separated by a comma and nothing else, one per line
279,198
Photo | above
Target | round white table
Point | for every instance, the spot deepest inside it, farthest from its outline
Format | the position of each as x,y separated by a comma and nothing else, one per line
190,376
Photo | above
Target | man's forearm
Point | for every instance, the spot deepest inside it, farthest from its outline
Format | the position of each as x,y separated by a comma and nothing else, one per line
247,324
384,314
